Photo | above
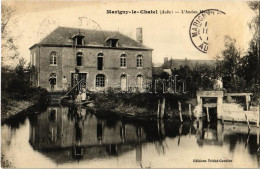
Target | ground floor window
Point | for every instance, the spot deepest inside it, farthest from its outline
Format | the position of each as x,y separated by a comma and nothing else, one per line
100,80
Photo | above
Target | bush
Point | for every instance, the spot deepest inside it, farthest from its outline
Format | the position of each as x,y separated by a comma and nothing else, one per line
16,85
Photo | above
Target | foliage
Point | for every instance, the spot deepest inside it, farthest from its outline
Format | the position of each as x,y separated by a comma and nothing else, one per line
240,73
16,83
201,77
145,104
8,45
254,24
251,64
230,68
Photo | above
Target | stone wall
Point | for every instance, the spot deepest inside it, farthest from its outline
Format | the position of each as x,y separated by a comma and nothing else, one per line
234,112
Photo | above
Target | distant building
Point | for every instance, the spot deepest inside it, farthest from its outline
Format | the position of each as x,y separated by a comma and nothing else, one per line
104,59
176,63
172,64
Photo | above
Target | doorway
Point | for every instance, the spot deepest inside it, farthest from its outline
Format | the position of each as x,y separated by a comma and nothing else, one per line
123,83
75,78
139,82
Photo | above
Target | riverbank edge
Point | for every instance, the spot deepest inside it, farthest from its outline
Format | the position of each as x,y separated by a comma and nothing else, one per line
19,107
13,103
142,106
22,113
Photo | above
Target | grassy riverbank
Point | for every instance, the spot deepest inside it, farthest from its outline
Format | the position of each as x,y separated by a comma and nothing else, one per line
138,105
12,103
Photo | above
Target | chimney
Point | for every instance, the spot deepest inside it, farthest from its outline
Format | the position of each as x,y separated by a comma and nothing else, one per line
165,59
139,35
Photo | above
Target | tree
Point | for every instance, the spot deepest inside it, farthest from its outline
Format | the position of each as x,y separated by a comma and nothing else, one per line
230,68
9,48
254,50
255,23
249,65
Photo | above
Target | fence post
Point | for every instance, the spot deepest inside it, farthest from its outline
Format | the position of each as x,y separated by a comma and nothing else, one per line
258,118
207,108
190,111
247,103
179,104
162,108
158,110
257,137
248,124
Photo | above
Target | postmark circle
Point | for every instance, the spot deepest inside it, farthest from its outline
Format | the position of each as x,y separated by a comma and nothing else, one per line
199,29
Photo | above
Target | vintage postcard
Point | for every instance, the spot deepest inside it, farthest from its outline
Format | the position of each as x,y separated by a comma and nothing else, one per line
130,84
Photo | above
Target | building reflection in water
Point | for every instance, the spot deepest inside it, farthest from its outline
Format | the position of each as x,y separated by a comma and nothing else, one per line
231,134
74,131
208,134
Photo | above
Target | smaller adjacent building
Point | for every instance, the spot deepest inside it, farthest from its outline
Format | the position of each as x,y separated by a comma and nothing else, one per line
176,63
104,59
169,65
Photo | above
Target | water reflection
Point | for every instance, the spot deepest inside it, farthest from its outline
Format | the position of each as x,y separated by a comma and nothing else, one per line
210,134
85,135
66,135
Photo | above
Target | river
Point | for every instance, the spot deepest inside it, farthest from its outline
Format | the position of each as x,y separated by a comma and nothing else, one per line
72,137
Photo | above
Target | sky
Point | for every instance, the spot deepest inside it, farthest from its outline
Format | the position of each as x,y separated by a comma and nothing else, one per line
167,34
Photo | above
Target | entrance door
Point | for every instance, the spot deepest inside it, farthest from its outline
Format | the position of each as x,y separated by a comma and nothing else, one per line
75,78
54,75
123,83
139,82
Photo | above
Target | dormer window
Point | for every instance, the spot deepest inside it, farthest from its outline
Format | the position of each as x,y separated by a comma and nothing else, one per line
78,39
112,42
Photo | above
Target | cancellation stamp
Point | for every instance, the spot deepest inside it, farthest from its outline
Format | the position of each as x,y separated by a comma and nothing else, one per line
199,28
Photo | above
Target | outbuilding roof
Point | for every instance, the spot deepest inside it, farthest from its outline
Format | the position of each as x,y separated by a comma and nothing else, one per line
96,38
176,63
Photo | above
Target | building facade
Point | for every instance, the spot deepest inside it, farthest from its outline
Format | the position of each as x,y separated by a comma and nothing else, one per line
104,59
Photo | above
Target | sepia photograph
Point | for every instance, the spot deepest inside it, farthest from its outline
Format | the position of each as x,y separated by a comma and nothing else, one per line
130,84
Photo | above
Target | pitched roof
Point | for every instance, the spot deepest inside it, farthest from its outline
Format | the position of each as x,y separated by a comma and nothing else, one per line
95,38
176,63
157,70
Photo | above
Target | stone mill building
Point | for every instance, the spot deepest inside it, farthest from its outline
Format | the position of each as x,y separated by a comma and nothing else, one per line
105,59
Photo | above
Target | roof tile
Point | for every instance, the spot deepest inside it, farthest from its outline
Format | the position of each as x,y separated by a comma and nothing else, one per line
62,35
